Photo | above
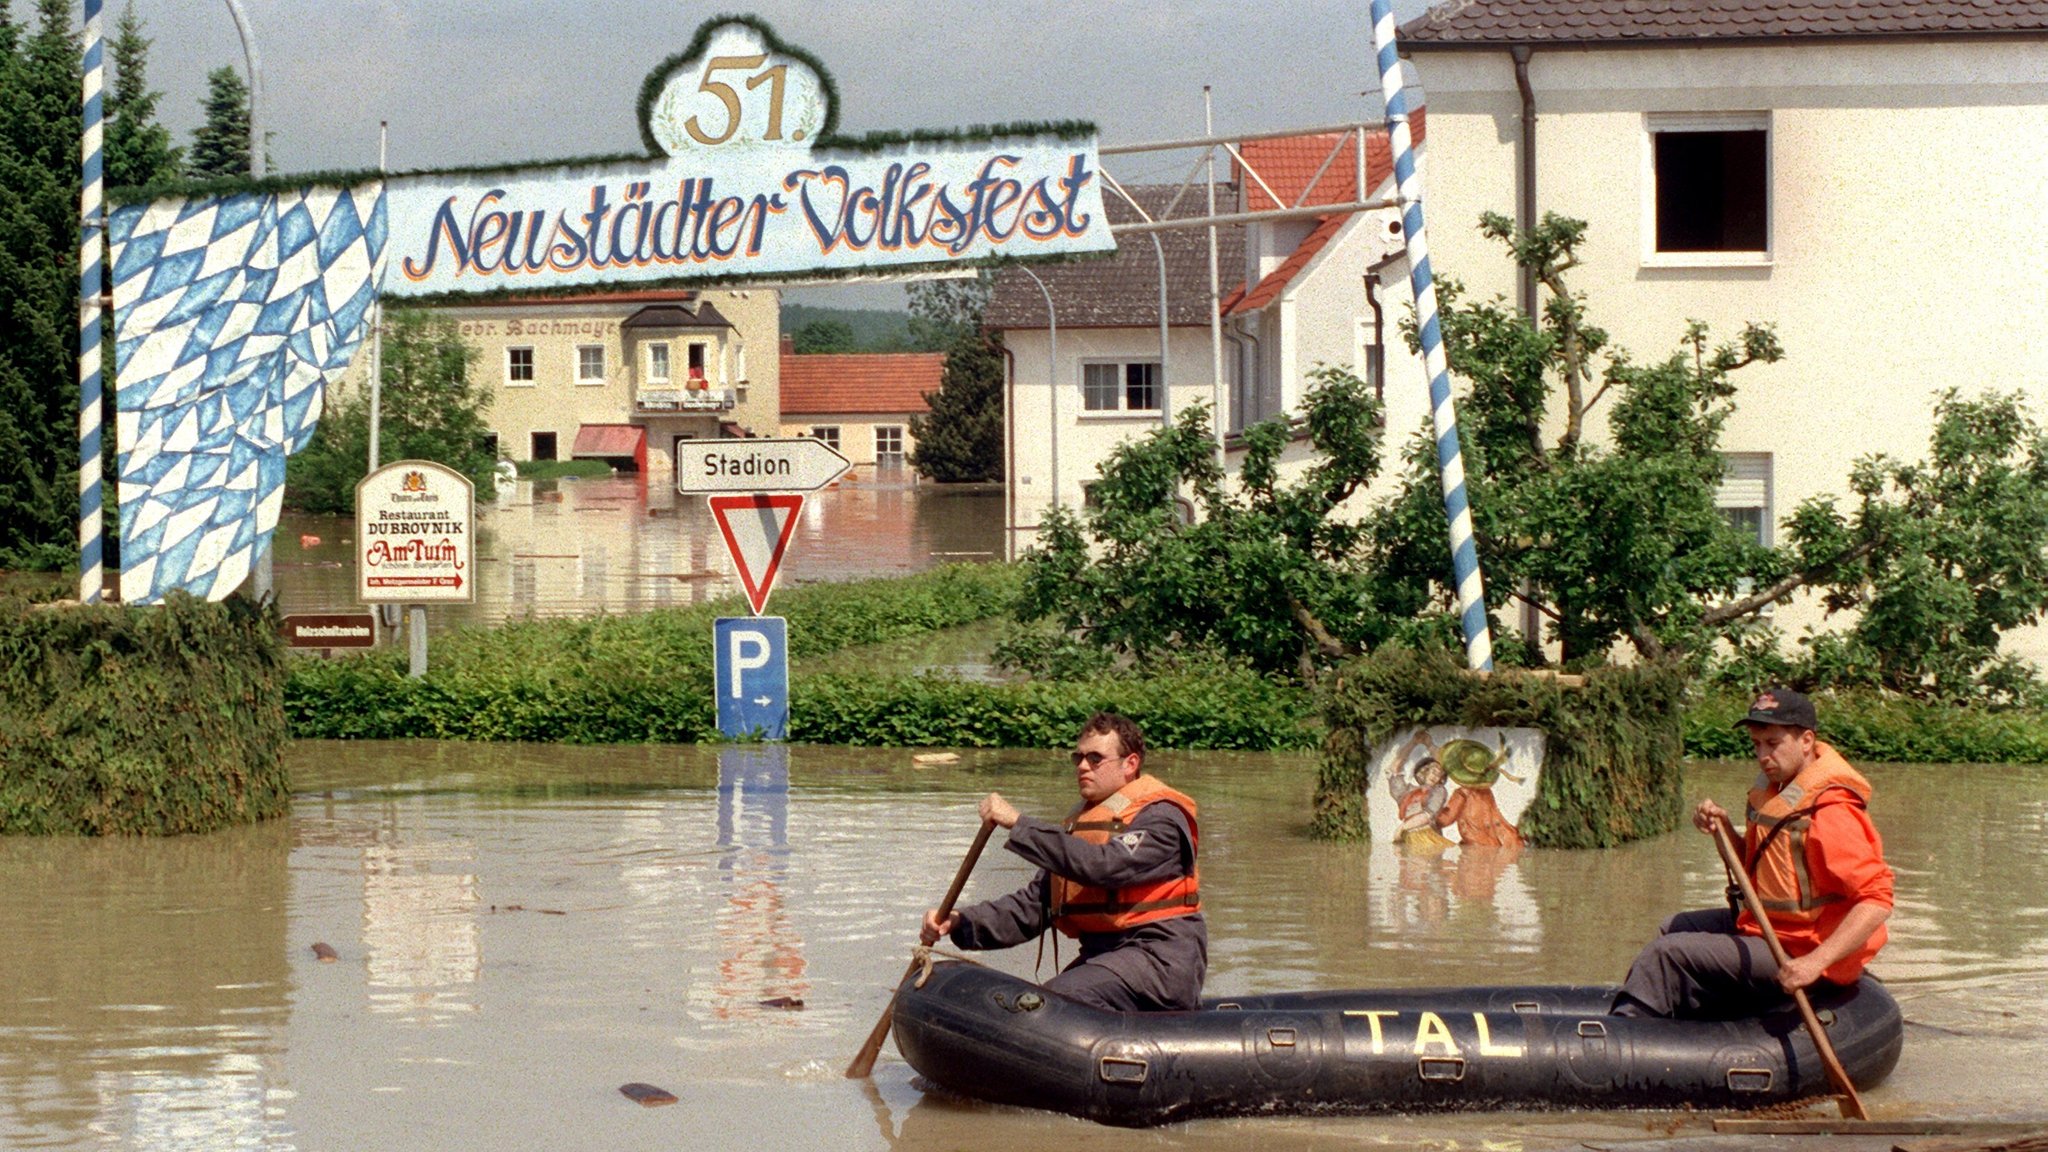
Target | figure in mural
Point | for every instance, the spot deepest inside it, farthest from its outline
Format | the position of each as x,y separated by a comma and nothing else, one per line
1421,793
1427,806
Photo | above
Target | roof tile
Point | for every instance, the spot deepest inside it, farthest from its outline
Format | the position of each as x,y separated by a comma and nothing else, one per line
857,382
1122,290
1455,23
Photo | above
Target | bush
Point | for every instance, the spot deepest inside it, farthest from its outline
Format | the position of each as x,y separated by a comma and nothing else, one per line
1216,707
617,679
1873,727
152,720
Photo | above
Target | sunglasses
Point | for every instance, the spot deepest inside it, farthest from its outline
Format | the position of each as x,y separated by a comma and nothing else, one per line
1092,759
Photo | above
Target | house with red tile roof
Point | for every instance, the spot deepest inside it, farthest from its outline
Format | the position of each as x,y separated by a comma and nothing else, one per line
861,403
1865,175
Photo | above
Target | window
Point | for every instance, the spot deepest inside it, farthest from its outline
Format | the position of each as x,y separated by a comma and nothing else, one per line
1709,187
543,446
1745,493
590,363
888,444
1745,499
490,445
829,433
1132,387
657,362
696,361
518,365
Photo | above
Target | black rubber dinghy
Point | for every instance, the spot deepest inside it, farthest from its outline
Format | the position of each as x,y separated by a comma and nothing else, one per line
977,1032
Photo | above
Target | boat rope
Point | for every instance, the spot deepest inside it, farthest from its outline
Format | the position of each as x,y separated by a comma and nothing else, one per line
922,957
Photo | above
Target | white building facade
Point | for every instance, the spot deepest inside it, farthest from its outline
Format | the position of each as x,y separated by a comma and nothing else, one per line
1867,181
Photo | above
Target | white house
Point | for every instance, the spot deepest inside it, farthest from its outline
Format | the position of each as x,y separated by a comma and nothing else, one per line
1866,177
1294,294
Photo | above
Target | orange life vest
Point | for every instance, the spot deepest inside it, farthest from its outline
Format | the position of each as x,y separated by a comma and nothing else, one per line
1776,850
1078,908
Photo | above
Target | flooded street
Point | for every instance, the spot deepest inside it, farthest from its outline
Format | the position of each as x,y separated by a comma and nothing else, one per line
519,930
578,547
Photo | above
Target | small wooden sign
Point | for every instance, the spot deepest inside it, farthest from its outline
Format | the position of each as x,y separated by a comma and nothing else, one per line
330,630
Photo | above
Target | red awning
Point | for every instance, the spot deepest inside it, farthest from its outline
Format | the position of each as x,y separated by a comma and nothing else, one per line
609,441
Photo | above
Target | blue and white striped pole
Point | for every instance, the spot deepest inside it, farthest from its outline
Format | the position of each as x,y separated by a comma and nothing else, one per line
92,224
1450,463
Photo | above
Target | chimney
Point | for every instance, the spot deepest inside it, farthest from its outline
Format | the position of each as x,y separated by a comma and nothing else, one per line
788,344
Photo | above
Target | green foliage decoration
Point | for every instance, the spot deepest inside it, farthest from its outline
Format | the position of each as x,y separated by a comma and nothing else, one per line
155,720
1872,727
1612,748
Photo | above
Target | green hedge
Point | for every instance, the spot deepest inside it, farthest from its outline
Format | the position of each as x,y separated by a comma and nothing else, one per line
124,720
1874,728
1210,708
612,680
1612,748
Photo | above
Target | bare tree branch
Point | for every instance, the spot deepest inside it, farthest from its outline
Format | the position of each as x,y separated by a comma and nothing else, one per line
1736,609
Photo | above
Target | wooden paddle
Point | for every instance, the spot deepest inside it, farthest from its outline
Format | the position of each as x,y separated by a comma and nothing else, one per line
1850,1103
864,1060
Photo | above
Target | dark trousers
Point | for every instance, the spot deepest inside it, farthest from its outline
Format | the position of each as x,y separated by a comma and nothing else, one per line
1700,968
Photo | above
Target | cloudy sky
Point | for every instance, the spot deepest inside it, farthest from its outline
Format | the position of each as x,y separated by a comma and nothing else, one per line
473,81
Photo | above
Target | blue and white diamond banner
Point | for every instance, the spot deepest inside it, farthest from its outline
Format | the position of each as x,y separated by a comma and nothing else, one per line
232,315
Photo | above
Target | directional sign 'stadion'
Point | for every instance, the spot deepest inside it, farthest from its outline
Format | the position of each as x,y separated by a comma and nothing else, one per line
750,664
793,464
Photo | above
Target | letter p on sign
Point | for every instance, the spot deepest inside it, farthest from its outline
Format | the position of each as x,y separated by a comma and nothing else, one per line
749,650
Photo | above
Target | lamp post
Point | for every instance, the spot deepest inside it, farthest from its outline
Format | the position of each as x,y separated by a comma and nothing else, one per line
1052,379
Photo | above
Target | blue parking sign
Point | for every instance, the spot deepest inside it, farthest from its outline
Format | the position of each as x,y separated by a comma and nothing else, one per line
751,665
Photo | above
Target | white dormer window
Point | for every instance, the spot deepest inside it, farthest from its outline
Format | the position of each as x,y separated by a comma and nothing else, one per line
657,363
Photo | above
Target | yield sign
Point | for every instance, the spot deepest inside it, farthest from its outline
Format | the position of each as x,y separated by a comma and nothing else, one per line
757,528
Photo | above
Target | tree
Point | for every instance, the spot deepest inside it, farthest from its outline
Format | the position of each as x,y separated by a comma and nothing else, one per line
139,150
220,145
961,438
822,336
432,409
39,132
1263,572
1608,542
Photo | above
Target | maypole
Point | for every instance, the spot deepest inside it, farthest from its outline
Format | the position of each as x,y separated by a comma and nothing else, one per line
1450,462
92,225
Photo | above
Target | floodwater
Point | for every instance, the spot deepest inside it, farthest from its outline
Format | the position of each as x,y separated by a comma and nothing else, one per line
622,544
519,930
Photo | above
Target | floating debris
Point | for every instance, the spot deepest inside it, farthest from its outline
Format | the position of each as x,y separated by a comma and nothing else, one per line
647,1095
325,952
928,758
793,1003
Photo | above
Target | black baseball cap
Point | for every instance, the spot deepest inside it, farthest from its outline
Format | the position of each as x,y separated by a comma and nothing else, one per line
1781,706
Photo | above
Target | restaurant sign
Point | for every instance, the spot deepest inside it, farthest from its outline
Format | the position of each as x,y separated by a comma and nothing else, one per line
413,522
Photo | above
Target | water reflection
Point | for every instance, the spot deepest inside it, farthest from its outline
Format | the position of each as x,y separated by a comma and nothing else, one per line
577,547
522,929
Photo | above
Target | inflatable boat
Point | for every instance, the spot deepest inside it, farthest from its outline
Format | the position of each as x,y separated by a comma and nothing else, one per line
977,1032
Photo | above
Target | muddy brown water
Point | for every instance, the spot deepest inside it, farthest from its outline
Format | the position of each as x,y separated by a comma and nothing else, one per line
520,930
620,544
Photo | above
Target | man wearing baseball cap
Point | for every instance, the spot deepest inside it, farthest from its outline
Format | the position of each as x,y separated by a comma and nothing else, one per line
1816,863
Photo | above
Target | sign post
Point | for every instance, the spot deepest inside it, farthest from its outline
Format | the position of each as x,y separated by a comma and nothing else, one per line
413,543
755,489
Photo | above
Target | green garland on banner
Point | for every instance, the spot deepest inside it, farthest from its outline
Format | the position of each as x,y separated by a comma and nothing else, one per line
1612,748
650,88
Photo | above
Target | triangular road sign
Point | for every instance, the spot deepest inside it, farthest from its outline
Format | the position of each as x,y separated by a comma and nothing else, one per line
757,529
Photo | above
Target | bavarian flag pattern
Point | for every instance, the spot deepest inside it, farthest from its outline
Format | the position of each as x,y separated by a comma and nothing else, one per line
232,314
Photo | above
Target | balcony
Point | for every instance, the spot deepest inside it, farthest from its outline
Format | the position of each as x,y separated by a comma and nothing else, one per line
695,396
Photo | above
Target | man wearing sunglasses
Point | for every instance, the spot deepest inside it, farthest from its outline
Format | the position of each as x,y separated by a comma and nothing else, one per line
1118,875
